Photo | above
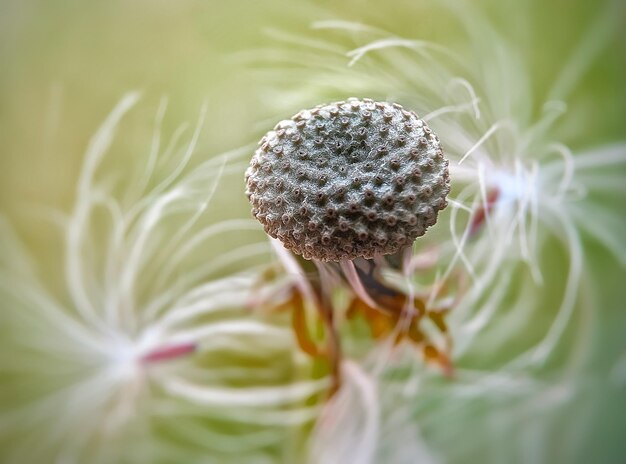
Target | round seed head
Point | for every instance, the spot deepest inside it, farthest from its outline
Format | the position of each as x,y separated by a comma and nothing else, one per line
364,179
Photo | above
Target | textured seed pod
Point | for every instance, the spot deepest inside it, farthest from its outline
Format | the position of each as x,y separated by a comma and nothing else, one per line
349,179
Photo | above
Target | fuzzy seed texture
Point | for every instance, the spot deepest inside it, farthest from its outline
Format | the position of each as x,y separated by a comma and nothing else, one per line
350,179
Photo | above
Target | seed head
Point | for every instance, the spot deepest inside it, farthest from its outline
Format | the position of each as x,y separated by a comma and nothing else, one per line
349,179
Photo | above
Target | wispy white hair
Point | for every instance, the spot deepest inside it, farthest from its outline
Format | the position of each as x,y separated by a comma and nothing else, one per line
150,352
523,333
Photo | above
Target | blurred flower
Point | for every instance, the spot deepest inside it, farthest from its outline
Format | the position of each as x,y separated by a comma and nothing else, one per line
150,352
525,208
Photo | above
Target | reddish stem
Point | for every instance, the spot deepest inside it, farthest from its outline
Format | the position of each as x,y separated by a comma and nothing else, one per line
169,353
481,214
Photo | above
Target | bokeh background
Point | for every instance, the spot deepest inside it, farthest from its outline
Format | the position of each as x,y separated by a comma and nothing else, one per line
65,64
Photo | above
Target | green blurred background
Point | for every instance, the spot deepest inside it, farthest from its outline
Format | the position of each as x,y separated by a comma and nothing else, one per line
66,63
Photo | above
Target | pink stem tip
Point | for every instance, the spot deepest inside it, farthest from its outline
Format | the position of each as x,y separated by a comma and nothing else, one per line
169,352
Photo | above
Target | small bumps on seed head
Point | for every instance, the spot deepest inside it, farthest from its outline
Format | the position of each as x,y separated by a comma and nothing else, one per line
350,179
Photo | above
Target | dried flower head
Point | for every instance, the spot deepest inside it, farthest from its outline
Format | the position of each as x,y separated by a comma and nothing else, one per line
349,179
